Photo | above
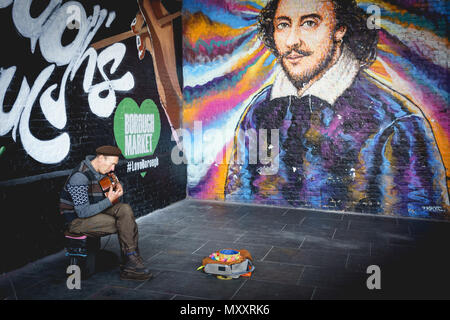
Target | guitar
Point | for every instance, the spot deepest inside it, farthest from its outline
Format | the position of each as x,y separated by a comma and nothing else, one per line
108,182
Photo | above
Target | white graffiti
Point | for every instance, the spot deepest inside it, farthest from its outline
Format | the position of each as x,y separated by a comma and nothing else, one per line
73,21
5,3
48,29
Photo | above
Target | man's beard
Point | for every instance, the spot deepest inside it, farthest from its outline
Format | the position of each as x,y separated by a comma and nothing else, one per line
299,81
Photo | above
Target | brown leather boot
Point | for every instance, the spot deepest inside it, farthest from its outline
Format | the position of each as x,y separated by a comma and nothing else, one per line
134,269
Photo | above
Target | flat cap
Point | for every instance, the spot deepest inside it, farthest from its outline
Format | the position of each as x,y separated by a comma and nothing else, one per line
108,151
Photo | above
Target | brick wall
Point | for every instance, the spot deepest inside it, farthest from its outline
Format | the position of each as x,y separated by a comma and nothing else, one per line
32,169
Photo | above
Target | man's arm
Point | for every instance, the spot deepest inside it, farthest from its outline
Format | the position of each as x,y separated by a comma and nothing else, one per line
78,188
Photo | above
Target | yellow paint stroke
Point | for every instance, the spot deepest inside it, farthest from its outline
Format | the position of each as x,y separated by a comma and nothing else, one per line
388,181
192,110
218,187
199,27
378,71
386,48
269,185
261,3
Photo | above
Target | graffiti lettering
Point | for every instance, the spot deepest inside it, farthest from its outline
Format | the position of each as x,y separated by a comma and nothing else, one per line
48,28
142,165
27,26
138,133
433,208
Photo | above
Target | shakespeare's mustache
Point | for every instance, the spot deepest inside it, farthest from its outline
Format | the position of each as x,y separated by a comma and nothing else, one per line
296,50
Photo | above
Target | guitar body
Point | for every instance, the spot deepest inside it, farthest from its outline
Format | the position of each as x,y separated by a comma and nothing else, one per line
109,182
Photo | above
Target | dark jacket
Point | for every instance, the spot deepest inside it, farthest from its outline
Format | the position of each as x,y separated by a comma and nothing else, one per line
371,151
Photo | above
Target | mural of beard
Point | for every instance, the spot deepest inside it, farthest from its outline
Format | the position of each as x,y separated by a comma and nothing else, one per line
300,80
353,135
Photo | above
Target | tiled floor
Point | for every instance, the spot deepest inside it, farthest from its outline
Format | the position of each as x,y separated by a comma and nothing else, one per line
298,254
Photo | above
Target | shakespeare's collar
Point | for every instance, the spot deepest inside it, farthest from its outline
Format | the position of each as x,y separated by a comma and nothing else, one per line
329,87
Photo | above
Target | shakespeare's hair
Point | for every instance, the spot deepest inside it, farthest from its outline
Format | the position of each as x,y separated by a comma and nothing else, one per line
361,40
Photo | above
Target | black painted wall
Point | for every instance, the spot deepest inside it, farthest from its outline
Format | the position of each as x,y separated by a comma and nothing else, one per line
31,226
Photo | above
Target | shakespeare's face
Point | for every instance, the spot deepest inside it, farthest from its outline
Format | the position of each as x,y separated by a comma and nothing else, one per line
305,37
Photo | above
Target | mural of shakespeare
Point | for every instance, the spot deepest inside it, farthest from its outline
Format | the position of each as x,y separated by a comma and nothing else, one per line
346,140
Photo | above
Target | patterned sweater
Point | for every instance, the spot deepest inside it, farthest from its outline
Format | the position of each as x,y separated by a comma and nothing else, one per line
82,196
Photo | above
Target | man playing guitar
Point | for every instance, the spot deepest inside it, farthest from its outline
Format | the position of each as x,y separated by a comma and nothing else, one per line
90,202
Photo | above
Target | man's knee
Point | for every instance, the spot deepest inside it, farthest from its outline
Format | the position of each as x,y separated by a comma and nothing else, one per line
98,225
125,210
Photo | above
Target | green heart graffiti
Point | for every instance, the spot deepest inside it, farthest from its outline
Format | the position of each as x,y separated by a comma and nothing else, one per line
137,129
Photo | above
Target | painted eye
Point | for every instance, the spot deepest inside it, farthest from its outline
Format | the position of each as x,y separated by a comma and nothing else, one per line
309,23
282,25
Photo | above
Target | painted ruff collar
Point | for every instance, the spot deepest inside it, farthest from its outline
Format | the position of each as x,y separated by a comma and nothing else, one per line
329,87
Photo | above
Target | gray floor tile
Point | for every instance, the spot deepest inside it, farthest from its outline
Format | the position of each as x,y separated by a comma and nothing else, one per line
121,293
298,254
57,290
159,229
276,272
192,221
307,257
316,214
175,262
306,230
262,290
169,244
197,285
322,223
160,216
361,263
383,249
10,284
335,245
378,225
381,236
113,278
203,233
282,239
255,224
333,278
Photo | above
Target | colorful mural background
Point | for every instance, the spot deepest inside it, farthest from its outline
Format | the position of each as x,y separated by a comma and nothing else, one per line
225,65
